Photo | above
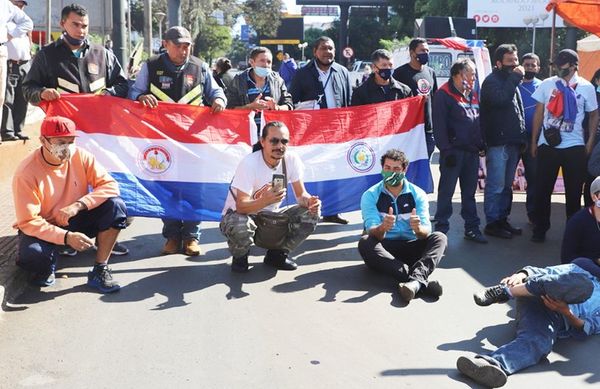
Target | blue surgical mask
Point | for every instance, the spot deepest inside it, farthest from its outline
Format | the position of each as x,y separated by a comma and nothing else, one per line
73,41
261,72
386,74
598,89
423,58
597,203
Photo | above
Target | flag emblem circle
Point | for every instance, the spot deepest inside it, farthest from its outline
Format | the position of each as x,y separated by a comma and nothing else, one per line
156,159
361,157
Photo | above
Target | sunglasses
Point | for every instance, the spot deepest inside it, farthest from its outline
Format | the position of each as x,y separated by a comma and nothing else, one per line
276,141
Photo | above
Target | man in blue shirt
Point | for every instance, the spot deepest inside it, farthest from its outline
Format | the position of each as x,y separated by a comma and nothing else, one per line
553,302
531,64
398,239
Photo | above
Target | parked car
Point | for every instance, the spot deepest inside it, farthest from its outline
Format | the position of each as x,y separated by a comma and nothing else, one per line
357,72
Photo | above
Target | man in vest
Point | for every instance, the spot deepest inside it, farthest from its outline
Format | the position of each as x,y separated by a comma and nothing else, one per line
72,64
176,76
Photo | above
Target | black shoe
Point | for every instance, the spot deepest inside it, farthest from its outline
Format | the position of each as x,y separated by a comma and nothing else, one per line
481,371
538,237
43,279
22,137
9,138
475,236
240,264
494,229
510,228
491,295
279,259
334,219
408,290
434,289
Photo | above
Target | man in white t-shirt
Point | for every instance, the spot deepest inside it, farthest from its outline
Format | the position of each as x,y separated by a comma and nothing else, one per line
569,150
255,188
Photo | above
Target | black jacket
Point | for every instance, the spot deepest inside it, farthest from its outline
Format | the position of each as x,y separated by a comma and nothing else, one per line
306,85
369,92
237,92
56,61
502,113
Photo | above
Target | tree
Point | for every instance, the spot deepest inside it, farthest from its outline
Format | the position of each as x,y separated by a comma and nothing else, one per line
212,41
263,15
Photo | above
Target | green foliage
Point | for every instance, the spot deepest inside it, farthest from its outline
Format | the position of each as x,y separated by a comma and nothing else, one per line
394,44
237,52
212,41
263,15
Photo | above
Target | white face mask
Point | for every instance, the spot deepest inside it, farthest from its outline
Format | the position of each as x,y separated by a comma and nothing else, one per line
597,203
62,151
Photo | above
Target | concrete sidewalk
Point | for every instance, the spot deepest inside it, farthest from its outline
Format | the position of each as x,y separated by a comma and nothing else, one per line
12,279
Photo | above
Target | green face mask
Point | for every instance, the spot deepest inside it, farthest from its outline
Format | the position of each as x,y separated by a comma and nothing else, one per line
392,178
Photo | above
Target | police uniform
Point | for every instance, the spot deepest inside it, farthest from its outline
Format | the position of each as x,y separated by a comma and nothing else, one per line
56,66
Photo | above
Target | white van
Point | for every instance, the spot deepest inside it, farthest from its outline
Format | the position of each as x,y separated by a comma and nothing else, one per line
444,52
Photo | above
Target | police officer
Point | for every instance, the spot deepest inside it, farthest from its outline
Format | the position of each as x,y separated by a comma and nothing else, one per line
74,65
176,76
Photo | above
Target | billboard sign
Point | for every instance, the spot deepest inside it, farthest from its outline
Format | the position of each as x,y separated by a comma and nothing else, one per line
511,13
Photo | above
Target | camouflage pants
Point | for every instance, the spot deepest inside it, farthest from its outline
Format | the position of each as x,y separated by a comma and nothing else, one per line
239,229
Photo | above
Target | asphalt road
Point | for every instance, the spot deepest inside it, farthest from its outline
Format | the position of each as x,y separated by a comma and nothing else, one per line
188,322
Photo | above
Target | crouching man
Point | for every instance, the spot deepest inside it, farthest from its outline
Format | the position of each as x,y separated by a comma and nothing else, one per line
552,302
64,197
253,212
399,241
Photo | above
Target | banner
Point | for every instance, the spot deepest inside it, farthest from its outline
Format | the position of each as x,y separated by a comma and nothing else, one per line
177,160
511,13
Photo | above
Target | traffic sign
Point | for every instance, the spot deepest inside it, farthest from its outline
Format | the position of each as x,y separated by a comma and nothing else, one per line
348,52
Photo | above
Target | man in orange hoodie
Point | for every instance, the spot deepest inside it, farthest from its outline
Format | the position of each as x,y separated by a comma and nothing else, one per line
64,197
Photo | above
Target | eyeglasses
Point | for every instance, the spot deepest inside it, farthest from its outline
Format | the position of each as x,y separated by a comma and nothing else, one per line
276,141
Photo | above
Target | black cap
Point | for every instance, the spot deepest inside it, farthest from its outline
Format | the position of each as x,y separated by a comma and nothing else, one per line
566,56
178,34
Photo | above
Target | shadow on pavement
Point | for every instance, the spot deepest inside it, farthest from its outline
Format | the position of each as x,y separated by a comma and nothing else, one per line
174,282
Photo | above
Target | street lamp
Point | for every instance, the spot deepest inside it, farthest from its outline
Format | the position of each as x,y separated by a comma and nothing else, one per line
534,20
160,16
303,46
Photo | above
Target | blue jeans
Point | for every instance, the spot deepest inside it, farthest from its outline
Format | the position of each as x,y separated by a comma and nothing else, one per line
501,163
465,171
538,328
38,256
181,229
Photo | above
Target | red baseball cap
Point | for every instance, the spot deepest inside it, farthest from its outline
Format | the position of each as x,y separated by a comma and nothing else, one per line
55,126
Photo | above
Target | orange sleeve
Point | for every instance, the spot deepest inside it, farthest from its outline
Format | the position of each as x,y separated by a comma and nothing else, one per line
27,199
103,185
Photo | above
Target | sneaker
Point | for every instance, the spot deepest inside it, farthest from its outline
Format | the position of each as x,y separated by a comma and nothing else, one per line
100,277
280,259
493,294
475,236
67,251
510,228
191,247
481,371
240,264
172,246
408,290
43,279
434,289
495,229
119,249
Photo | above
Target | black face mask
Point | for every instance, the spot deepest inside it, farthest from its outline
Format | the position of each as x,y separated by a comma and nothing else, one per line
562,73
529,75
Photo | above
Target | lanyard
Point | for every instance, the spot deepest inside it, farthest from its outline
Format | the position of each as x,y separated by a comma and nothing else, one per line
320,97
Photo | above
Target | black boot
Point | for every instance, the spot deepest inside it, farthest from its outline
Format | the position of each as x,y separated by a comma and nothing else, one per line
240,264
280,259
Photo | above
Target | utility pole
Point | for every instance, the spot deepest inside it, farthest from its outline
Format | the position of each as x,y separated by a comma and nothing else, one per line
148,26
174,12
48,21
119,35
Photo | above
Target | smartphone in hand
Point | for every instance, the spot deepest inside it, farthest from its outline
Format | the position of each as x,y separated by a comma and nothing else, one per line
278,182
